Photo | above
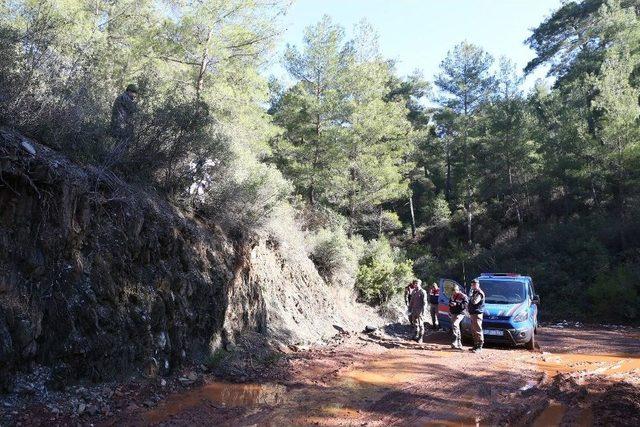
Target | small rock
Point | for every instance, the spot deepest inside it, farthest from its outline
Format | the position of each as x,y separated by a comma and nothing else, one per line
283,348
163,383
132,407
92,410
185,381
81,408
368,329
26,146
149,403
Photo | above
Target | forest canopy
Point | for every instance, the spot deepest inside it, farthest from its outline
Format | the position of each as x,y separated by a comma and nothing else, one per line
387,176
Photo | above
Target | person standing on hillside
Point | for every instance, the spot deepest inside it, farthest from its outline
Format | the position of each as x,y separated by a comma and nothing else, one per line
476,312
457,305
434,295
417,304
124,108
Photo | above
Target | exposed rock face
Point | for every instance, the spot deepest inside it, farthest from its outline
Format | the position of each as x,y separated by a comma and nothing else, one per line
96,282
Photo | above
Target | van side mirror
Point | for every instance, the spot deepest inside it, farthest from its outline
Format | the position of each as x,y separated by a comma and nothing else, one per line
536,299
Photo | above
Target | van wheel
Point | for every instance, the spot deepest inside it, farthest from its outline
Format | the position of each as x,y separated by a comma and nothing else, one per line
531,344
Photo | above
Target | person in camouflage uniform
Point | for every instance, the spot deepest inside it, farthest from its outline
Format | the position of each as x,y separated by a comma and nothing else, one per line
457,307
408,291
417,305
124,108
476,312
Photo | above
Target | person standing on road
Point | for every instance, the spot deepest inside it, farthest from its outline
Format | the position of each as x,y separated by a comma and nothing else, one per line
476,312
408,291
417,305
434,294
457,305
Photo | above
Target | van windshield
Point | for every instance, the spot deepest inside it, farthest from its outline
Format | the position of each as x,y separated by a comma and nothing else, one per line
503,291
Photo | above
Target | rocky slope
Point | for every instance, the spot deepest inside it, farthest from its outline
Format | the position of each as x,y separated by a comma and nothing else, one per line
99,280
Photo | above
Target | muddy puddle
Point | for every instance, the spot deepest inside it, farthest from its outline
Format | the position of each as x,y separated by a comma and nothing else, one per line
590,364
342,398
613,366
222,394
551,416
368,389
554,413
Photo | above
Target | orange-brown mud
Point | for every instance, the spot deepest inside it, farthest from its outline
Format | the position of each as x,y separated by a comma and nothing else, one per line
578,377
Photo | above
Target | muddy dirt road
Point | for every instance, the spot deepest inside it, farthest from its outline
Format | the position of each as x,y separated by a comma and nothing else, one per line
580,376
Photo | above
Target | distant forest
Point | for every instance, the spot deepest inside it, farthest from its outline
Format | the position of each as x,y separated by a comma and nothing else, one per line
385,177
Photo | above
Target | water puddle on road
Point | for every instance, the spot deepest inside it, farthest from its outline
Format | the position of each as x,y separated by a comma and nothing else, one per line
222,394
551,416
602,364
344,398
382,373
461,422
613,366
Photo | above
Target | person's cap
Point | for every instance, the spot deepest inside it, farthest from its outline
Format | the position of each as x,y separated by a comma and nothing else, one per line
132,88
475,281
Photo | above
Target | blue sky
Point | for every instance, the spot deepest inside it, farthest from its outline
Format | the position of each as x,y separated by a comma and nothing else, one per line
418,33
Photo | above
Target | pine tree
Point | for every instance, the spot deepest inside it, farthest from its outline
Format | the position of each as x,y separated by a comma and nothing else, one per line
464,82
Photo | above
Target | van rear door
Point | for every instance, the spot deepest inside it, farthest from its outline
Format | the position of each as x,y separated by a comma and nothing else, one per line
446,289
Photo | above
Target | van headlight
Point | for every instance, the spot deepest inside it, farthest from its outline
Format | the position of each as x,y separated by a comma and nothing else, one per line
521,317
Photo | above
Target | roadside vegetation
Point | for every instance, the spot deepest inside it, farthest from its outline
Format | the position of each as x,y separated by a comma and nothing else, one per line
383,177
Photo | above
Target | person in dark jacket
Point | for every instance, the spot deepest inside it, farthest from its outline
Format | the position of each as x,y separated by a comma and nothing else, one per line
434,295
476,312
457,306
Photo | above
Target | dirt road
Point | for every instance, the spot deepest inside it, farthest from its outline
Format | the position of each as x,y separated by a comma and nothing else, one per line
580,376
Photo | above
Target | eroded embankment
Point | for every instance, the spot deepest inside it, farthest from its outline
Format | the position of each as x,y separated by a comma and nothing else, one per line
99,280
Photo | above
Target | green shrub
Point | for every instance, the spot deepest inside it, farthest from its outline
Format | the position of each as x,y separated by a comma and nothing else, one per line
438,212
614,295
383,272
335,255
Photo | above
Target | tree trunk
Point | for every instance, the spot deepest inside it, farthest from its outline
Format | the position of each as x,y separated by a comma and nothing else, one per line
447,187
469,214
204,63
413,218
352,202
514,198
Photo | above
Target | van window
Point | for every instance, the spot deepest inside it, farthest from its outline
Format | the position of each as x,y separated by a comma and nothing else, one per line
503,291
